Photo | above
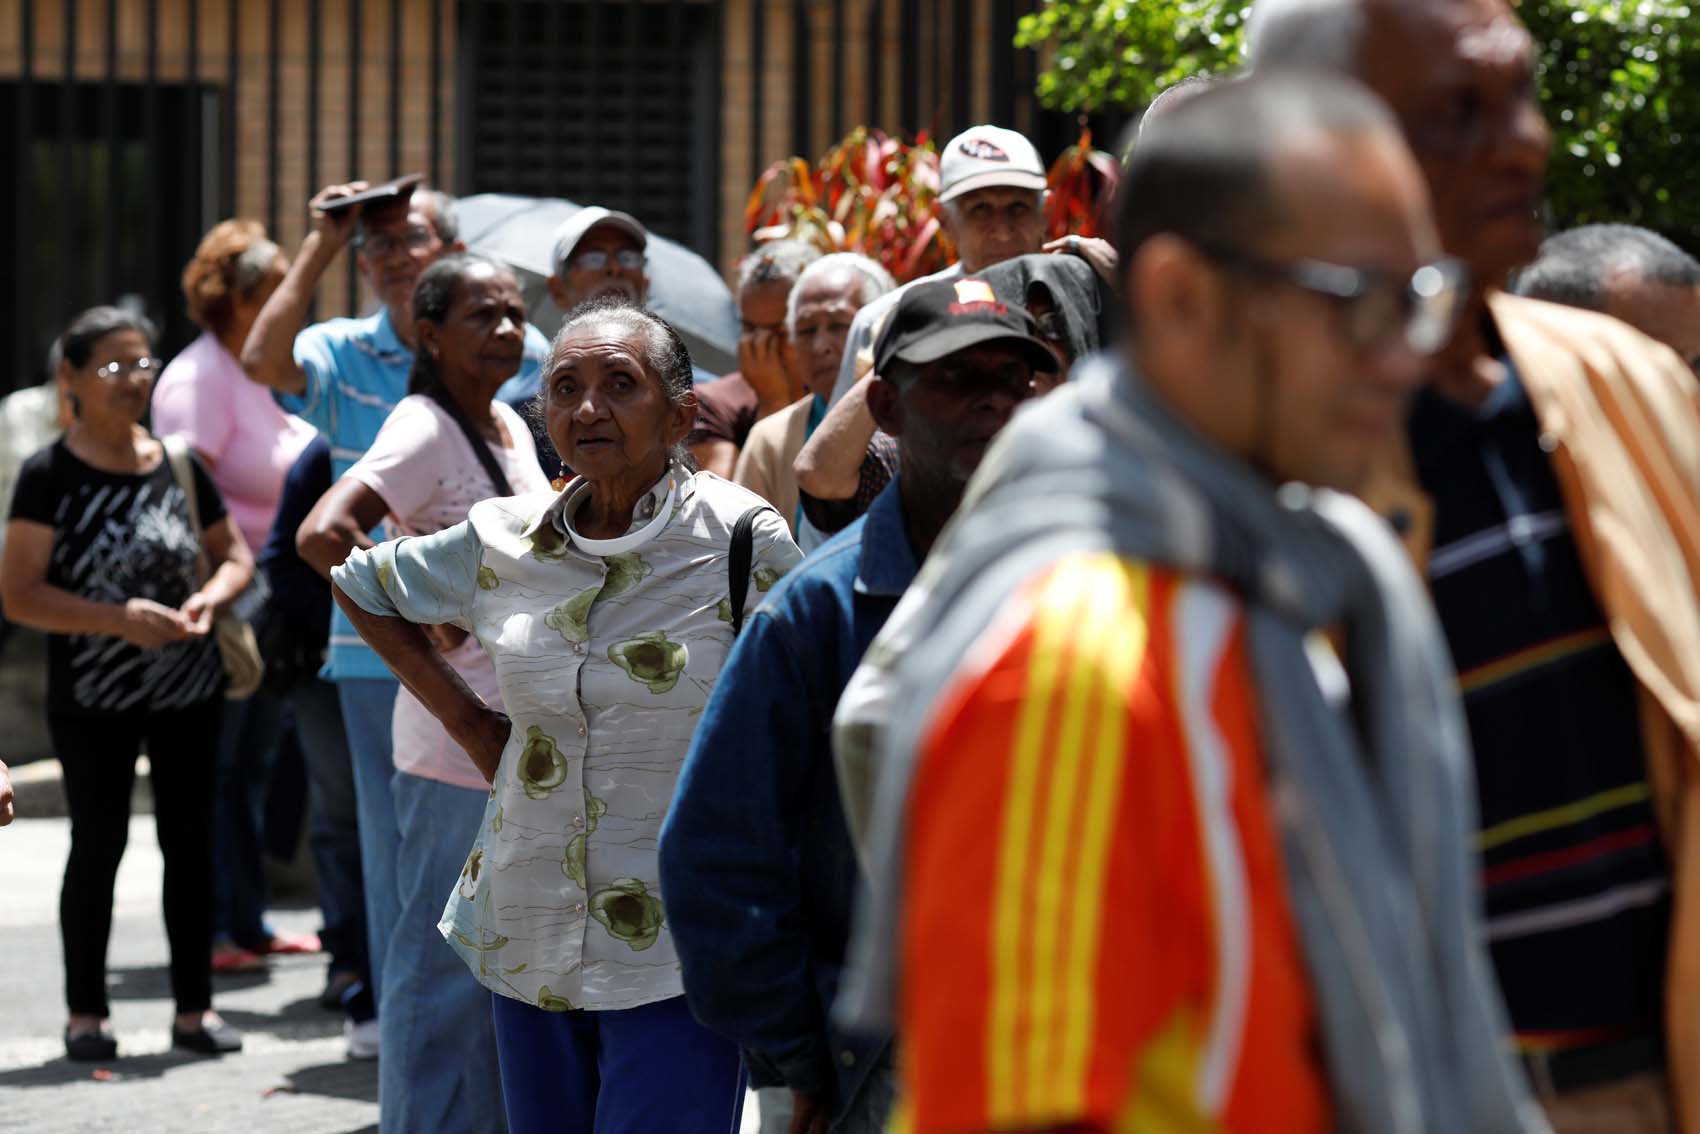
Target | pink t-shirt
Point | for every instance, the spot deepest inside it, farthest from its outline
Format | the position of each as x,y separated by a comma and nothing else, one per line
205,397
424,468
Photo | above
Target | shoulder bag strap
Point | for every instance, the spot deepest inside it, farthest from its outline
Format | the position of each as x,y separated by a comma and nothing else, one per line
177,453
738,562
480,447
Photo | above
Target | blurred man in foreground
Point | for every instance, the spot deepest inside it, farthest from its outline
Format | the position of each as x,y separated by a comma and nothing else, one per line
1148,853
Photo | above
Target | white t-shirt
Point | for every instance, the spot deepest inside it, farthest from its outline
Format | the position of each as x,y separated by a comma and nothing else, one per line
424,468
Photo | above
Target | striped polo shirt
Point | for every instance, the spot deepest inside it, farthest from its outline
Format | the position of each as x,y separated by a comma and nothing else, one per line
1575,881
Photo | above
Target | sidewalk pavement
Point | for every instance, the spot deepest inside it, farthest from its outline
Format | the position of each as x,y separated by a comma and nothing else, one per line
291,1077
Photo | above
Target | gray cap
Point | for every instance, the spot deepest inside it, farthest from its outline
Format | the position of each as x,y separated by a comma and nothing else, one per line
573,229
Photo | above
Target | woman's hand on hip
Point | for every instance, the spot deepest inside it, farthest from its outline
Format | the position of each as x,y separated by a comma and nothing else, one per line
147,624
483,734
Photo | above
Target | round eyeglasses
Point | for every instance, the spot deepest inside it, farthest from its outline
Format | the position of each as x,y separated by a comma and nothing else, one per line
146,367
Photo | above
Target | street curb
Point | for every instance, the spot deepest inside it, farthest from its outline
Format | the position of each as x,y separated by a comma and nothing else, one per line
38,790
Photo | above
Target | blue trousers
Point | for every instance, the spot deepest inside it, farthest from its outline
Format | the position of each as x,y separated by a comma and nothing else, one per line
367,704
630,1071
333,824
438,1069
247,750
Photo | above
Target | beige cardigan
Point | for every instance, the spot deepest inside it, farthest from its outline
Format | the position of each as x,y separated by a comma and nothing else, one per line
764,464
1620,415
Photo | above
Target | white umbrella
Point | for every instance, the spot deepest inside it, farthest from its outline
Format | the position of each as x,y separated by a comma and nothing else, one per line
684,288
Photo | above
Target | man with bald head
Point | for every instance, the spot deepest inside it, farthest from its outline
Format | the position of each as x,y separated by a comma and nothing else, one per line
1550,488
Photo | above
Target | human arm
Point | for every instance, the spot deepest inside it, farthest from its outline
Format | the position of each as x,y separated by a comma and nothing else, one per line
829,466
338,524
30,600
268,355
390,593
232,564
1101,254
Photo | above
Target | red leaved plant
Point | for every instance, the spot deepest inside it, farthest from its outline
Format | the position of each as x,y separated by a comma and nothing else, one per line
878,195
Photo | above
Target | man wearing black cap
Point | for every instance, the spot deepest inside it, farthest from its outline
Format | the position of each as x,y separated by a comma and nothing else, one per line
755,855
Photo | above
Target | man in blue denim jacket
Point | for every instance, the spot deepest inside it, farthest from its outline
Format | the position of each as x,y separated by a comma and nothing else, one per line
757,869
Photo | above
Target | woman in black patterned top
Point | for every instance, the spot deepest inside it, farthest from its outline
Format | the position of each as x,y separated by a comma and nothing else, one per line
101,554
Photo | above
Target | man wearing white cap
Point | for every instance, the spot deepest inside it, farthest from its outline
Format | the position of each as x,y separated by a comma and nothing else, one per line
992,198
992,193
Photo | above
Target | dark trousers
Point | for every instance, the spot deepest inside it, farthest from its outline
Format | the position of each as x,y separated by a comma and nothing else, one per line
98,752
247,753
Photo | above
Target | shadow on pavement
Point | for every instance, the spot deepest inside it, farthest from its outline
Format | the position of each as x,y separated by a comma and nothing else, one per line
61,1072
345,1079
153,982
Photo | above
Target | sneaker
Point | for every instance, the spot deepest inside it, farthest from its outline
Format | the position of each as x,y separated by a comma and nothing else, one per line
90,1047
362,1038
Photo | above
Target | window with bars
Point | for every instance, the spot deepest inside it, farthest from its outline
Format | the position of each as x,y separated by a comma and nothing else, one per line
603,102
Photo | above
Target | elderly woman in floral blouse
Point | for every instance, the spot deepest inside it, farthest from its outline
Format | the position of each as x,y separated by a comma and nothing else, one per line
608,611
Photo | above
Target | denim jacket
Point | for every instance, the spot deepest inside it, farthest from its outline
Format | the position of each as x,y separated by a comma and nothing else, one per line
757,865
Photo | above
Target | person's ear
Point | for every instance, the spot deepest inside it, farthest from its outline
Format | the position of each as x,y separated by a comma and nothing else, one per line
1175,292
643,293
457,245
947,221
681,418
885,406
426,332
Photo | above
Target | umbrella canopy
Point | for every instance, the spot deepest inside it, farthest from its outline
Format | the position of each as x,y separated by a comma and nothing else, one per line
684,288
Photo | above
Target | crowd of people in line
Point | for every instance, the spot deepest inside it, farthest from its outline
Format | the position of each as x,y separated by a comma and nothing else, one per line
1243,675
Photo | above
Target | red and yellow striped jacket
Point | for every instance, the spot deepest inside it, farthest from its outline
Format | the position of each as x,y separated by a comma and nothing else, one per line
1096,932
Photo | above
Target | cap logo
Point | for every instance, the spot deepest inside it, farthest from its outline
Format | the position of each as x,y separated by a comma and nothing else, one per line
976,296
982,150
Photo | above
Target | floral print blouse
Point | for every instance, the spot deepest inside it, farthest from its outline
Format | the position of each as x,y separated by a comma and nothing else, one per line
606,652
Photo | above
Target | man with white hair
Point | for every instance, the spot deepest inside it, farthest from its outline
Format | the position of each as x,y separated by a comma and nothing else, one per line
764,383
1553,464
818,316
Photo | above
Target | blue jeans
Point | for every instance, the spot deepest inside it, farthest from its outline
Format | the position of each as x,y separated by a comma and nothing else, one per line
333,824
438,1068
627,1071
247,749
367,704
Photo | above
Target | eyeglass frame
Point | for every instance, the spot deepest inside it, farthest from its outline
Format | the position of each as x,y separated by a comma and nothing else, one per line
1345,285
417,239
629,259
148,365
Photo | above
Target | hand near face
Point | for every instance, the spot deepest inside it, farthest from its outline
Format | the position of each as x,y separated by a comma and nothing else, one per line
764,359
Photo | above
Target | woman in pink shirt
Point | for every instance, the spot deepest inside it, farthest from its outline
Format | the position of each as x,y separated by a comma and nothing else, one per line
445,447
248,444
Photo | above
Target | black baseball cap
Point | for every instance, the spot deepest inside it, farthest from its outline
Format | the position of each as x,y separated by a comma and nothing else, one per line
941,317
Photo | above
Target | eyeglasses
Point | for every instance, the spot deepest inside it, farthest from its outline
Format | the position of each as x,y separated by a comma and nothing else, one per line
147,367
381,244
1374,306
597,260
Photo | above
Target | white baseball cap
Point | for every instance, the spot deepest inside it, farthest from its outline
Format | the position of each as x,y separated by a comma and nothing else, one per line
983,156
572,230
